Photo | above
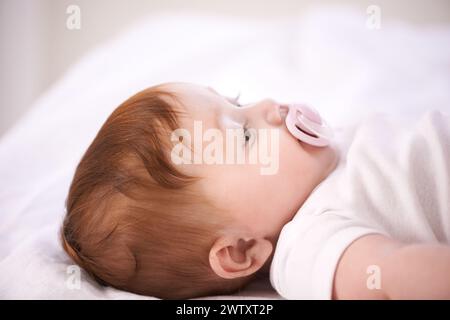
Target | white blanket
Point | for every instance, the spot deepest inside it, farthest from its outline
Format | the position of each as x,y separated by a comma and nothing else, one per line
330,59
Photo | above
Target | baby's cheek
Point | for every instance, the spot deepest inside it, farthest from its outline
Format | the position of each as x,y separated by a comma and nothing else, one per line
292,160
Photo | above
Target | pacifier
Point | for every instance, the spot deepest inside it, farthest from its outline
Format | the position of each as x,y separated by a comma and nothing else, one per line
305,124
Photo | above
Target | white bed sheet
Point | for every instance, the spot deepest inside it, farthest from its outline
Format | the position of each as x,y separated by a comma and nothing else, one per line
329,59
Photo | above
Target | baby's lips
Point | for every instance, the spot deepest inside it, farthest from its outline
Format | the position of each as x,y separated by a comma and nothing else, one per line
283,109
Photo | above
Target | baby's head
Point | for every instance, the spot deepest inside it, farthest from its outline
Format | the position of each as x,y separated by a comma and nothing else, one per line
139,221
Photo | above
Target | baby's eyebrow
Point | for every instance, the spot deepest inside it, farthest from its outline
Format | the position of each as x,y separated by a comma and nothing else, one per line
213,91
221,96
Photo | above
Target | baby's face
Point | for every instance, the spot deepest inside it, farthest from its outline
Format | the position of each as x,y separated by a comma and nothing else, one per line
258,203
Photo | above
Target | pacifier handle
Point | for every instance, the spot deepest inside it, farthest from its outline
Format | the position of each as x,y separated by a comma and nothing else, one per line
306,124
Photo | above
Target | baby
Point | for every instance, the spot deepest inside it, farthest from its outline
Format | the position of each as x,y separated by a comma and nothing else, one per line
365,217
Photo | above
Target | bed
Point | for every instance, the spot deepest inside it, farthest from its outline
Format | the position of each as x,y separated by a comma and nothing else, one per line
328,58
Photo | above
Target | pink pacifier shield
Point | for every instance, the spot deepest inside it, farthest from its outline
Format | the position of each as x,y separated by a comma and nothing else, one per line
310,114
306,124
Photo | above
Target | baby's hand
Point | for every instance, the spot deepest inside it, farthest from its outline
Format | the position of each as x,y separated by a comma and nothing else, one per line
378,267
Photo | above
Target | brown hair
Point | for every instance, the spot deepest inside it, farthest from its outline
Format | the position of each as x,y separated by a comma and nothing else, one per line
133,220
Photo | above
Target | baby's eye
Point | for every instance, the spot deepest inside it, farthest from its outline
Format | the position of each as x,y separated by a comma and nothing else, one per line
248,135
235,100
237,103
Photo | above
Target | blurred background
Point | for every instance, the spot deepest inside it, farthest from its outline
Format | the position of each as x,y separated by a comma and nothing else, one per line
37,47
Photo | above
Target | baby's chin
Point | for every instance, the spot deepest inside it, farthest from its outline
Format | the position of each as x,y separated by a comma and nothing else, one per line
326,157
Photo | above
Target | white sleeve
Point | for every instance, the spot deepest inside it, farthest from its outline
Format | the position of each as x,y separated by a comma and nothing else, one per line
308,251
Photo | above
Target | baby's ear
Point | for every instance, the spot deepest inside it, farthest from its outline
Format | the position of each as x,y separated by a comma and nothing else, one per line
232,256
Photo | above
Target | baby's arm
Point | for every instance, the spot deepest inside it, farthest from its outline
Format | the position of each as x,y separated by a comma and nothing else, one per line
406,271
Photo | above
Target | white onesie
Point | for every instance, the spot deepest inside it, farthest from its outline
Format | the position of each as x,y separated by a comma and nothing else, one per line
393,178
